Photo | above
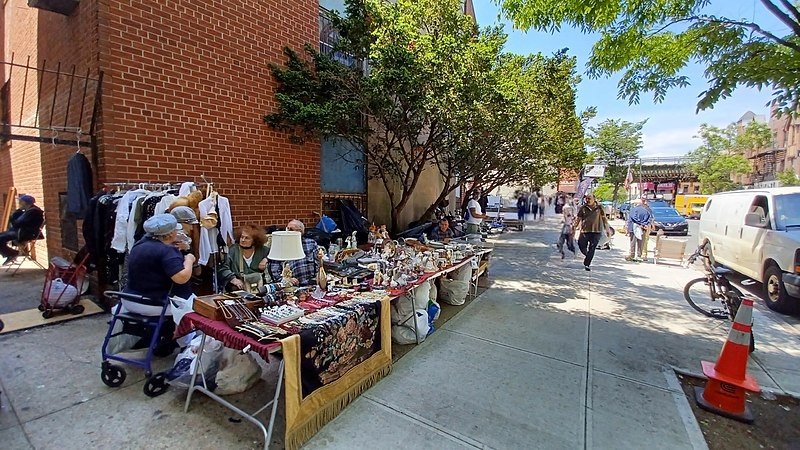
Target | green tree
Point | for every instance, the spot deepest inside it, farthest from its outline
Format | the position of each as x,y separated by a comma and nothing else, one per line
393,110
652,42
615,143
605,192
788,178
718,158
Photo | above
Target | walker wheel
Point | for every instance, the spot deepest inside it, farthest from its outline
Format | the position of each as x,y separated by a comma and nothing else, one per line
2,325
156,385
112,376
48,313
76,309
41,307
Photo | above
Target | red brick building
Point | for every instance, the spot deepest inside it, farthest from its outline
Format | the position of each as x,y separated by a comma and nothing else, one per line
161,92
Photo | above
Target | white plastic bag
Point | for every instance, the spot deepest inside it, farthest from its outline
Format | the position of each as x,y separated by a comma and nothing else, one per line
237,372
403,308
186,361
453,292
60,294
404,334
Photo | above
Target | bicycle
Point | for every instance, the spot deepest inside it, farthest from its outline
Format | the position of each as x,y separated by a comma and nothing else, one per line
713,295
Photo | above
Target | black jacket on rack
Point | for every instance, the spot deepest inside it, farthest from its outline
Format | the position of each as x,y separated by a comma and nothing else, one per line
79,185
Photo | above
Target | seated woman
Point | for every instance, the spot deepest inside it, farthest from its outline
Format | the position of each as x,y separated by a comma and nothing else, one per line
247,256
156,267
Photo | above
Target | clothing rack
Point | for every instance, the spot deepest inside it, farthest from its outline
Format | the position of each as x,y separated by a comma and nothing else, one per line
149,186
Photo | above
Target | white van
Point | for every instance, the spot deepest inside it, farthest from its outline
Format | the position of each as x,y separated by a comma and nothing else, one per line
757,233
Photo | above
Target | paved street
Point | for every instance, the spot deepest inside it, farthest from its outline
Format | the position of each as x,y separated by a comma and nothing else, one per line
549,357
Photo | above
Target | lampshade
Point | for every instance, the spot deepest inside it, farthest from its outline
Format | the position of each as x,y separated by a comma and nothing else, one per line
286,246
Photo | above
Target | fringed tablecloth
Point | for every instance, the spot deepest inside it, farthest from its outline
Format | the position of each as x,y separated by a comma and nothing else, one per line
222,332
305,415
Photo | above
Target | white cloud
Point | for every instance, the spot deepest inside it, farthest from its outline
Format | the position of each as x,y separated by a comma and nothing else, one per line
669,142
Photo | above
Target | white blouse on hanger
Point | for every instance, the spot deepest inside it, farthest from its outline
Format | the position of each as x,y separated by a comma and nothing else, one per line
120,240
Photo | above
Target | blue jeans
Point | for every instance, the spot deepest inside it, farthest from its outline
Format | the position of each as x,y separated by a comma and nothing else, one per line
587,243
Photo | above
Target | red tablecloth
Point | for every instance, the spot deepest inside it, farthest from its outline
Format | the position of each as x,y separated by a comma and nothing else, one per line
222,332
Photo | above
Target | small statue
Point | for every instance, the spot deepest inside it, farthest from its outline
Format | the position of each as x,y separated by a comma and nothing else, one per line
373,236
322,276
286,275
383,234
353,241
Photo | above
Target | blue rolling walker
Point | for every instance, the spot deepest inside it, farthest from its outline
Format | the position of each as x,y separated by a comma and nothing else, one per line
114,375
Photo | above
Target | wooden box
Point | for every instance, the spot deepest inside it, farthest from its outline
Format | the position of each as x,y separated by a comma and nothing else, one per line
206,306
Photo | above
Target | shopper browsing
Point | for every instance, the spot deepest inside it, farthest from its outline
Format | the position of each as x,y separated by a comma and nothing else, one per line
474,214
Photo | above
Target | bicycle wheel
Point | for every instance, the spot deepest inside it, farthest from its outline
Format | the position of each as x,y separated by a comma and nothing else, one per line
698,294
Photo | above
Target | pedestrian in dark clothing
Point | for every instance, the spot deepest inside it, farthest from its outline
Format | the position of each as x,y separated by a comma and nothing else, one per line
592,221
26,223
522,207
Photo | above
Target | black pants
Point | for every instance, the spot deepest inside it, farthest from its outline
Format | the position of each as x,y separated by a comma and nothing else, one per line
588,243
5,238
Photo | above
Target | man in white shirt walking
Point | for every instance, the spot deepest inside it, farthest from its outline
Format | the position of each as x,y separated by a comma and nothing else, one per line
474,214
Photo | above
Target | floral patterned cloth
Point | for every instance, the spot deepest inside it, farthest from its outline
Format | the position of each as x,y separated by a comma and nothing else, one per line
333,340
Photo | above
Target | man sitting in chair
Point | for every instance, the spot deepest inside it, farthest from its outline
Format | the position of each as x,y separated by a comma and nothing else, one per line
25,225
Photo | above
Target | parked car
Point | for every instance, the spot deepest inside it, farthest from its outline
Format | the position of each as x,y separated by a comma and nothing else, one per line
670,221
756,232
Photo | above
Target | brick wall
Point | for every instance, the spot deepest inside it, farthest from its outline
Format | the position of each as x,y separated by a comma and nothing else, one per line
185,86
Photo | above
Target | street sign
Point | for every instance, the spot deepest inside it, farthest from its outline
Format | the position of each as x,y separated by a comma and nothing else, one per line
594,170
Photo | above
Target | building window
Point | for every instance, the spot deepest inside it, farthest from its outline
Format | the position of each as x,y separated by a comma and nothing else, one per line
696,189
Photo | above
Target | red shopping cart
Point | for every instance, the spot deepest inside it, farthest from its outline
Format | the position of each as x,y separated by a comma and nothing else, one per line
63,287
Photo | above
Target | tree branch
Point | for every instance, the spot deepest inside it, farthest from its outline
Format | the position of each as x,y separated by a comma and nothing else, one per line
788,21
757,29
786,4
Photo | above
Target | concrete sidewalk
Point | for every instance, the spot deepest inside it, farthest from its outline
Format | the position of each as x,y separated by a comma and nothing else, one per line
555,357
549,357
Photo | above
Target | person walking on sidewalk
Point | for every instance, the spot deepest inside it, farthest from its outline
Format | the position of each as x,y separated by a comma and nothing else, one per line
592,221
637,226
533,204
542,203
522,206
567,231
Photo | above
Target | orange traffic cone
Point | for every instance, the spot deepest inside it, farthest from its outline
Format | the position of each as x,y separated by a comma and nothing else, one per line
728,380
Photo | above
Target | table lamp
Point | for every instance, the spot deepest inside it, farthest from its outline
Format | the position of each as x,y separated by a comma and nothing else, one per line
286,246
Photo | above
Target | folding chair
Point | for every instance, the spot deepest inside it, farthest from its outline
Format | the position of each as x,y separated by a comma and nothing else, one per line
27,252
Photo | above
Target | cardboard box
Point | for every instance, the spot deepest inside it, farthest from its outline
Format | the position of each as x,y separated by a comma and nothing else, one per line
206,306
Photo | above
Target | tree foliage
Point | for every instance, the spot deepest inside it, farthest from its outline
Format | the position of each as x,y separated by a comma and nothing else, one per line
652,42
605,192
615,143
436,91
720,157
788,178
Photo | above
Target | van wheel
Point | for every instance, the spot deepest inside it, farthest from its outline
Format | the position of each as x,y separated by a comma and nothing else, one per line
775,293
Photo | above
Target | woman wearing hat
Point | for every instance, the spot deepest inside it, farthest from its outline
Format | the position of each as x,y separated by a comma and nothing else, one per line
156,265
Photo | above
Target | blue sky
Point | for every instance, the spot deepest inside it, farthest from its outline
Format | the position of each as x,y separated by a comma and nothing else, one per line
672,124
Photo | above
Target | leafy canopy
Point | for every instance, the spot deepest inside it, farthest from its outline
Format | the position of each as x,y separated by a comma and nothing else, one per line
434,90
616,143
720,156
652,42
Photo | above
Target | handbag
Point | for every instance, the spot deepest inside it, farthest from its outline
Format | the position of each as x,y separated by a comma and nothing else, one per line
252,281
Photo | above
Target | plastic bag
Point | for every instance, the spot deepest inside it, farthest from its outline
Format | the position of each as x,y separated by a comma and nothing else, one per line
453,292
403,308
186,361
237,372
404,334
326,224
59,293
